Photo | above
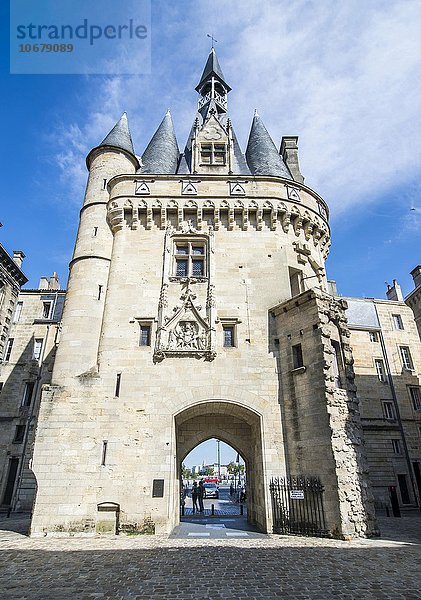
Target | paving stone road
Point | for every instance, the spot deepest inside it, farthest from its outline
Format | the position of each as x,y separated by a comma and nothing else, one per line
262,567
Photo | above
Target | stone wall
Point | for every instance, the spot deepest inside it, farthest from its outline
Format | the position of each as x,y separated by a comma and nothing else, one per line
322,427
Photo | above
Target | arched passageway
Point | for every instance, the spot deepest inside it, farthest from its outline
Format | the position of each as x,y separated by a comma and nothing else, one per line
237,426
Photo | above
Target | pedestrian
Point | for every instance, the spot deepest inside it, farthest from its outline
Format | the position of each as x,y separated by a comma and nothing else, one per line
195,496
201,495
231,489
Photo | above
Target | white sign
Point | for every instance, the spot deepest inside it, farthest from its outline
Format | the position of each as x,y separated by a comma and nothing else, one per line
296,494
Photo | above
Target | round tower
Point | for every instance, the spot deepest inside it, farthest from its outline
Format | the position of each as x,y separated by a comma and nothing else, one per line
82,317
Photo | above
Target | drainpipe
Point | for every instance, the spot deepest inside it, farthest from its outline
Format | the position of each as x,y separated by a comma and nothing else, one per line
397,412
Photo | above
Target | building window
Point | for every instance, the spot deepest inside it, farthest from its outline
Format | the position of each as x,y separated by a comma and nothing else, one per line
337,363
213,154
117,385
27,394
396,446
381,373
229,336
19,434
190,259
397,322
406,358
295,281
297,356
18,312
36,355
46,309
145,335
388,410
8,350
374,337
403,487
415,397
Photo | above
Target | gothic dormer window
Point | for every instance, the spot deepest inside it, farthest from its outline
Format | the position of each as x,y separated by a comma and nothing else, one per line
213,154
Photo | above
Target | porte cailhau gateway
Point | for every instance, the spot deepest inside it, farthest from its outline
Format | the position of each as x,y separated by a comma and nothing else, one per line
198,307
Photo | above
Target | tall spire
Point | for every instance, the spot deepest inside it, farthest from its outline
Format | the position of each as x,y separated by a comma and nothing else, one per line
261,154
162,154
212,87
212,67
119,136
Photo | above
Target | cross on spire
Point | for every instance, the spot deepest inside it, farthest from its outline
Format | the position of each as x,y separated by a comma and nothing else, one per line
210,35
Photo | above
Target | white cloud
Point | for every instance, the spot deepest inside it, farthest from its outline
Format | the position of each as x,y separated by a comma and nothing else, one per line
341,76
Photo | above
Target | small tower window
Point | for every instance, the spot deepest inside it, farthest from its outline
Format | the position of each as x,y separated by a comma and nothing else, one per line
213,154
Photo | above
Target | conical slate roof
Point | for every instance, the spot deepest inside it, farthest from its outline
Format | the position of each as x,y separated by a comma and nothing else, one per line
261,154
212,67
119,136
162,154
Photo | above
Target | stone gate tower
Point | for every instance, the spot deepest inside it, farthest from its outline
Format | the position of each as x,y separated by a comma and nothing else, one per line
197,307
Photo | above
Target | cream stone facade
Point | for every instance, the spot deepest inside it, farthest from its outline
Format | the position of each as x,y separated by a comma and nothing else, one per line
34,330
387,363
413,299
194,279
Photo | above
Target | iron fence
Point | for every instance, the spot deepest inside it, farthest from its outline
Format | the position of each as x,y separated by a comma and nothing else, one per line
297,505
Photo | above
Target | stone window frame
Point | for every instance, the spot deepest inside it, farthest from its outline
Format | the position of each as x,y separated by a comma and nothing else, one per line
8,349
406,358
46,314
19,435
396,446
374,337
37,349
380,372
230,322
191,242
389,412
415,395
18,311
213,149
297,357
28,393
145,322
397,322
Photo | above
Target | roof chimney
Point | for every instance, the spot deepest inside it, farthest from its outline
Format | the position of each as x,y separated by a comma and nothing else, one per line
289,153
416,275
18,257
54,283
394,292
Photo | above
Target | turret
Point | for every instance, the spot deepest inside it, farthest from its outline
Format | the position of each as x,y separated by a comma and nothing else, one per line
162,154
82,317
261,154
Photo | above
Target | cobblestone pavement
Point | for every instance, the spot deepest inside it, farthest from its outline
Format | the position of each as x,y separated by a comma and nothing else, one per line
267,567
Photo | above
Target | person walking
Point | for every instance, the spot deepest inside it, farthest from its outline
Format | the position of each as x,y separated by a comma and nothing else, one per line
195,496
232,489
201,495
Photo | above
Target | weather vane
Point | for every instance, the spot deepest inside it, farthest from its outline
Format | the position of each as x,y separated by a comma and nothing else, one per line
210,35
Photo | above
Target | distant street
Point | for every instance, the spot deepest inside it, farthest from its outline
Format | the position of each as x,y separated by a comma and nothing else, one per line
224,505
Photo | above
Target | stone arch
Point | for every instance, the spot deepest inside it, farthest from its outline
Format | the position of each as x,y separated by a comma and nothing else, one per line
237,425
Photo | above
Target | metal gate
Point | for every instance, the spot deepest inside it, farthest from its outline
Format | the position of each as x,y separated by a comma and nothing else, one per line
297,505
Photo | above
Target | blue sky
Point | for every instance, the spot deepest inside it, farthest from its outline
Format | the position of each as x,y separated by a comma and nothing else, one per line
345,80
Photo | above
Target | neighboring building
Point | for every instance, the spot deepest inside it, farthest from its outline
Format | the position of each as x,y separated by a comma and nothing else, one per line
28,365
413,299
387,364
11,280
197,307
